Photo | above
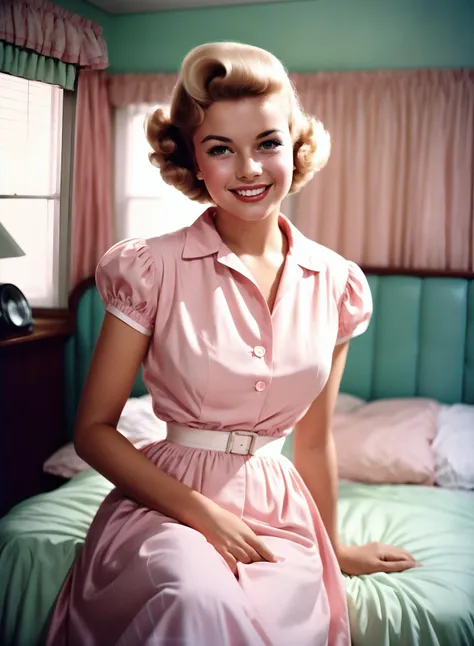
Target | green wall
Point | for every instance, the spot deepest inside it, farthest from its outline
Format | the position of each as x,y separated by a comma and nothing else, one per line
307,35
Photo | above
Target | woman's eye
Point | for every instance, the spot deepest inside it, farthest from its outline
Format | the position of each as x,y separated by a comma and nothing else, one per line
216,151
270,144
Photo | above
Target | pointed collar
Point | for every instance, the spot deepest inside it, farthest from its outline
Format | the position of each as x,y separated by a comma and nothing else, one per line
202,239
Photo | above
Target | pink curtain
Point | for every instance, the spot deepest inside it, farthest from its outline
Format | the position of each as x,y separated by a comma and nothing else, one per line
398,189
92,221
52,31
128,89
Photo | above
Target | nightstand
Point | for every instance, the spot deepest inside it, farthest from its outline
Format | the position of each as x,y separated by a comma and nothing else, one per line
32,422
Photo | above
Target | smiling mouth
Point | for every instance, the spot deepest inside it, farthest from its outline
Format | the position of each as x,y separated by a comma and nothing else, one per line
251,193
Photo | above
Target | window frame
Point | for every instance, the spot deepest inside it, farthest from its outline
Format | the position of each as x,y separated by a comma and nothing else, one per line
121,120
62,271
62,231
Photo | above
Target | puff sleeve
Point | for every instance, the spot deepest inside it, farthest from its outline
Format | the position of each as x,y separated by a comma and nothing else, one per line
126,278
355,306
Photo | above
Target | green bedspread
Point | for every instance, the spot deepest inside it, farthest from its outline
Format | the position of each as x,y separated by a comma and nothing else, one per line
429,606
432,605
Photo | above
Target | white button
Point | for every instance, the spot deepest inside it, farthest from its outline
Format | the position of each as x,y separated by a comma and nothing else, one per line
259,351
260,385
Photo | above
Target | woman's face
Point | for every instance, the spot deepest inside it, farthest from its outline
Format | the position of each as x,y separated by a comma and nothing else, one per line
244,152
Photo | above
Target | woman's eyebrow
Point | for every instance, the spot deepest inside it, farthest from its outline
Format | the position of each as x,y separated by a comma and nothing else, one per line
226,140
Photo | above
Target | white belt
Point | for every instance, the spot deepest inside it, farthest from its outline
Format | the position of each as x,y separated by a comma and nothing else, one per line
238,442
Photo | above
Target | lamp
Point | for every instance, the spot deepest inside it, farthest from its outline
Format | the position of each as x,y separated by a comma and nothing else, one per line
15,311
8,247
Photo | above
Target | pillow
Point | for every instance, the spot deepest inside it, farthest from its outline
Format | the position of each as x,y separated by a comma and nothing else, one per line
348,403
387,441
453,447
138,423
65,462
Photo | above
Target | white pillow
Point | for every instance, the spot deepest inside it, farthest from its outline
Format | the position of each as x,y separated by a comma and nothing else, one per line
138,423
348,403
454,447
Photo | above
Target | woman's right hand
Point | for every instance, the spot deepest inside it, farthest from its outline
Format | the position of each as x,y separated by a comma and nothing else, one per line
233,539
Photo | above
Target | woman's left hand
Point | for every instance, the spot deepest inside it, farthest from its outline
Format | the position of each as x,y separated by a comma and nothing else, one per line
374,557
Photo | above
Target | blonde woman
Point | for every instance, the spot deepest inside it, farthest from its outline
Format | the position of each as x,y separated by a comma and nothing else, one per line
212,538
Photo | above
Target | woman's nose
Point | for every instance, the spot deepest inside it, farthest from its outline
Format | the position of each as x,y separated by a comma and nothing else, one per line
249,168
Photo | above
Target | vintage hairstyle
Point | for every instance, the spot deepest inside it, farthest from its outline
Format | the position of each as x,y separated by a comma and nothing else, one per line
218,71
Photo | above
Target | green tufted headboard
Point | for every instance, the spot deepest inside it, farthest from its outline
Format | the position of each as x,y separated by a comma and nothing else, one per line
420,341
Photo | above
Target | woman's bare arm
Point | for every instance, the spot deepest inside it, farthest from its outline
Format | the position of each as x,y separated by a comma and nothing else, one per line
116,360
315,459
314,453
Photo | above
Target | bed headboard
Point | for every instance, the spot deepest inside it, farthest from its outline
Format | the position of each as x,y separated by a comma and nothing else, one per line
420,342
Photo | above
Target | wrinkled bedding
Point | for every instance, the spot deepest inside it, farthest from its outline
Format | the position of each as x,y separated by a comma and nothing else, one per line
429,606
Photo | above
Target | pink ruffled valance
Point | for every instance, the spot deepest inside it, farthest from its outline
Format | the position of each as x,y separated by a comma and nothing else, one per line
127,89
52,31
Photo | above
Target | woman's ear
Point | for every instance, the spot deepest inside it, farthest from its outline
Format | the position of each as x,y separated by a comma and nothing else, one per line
198,174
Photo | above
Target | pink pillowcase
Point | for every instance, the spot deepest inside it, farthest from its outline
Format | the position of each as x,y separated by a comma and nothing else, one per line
388,441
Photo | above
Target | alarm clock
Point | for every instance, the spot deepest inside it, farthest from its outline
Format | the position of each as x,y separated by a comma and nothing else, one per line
15,312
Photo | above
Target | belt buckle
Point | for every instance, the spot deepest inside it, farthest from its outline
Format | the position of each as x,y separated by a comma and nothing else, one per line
248,450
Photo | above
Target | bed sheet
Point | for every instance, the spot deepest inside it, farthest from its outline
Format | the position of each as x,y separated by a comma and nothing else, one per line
429,606
432,605
39,540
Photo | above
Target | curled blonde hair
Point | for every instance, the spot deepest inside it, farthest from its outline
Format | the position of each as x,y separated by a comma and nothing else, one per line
223,71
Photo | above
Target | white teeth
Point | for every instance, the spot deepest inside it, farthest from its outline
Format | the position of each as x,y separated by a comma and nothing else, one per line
253,193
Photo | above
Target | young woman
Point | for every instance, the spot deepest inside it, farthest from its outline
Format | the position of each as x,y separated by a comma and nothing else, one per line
211,538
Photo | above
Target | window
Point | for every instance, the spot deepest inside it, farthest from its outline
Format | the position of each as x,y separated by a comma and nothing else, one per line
34,192
145,205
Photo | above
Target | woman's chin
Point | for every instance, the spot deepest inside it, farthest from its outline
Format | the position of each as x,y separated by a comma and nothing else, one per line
250,212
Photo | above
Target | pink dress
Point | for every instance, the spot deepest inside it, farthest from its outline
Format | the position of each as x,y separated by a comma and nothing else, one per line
218,359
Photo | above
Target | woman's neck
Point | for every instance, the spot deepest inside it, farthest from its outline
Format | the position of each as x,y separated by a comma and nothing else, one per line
255,239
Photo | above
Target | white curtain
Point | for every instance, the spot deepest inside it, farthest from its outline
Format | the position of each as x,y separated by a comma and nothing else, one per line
144,205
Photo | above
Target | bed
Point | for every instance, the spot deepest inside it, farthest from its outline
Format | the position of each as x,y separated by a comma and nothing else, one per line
420,344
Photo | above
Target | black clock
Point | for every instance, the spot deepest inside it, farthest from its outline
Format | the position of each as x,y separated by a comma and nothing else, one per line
16,317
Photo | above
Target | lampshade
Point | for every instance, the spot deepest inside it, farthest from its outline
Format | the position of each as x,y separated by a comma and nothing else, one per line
8,247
